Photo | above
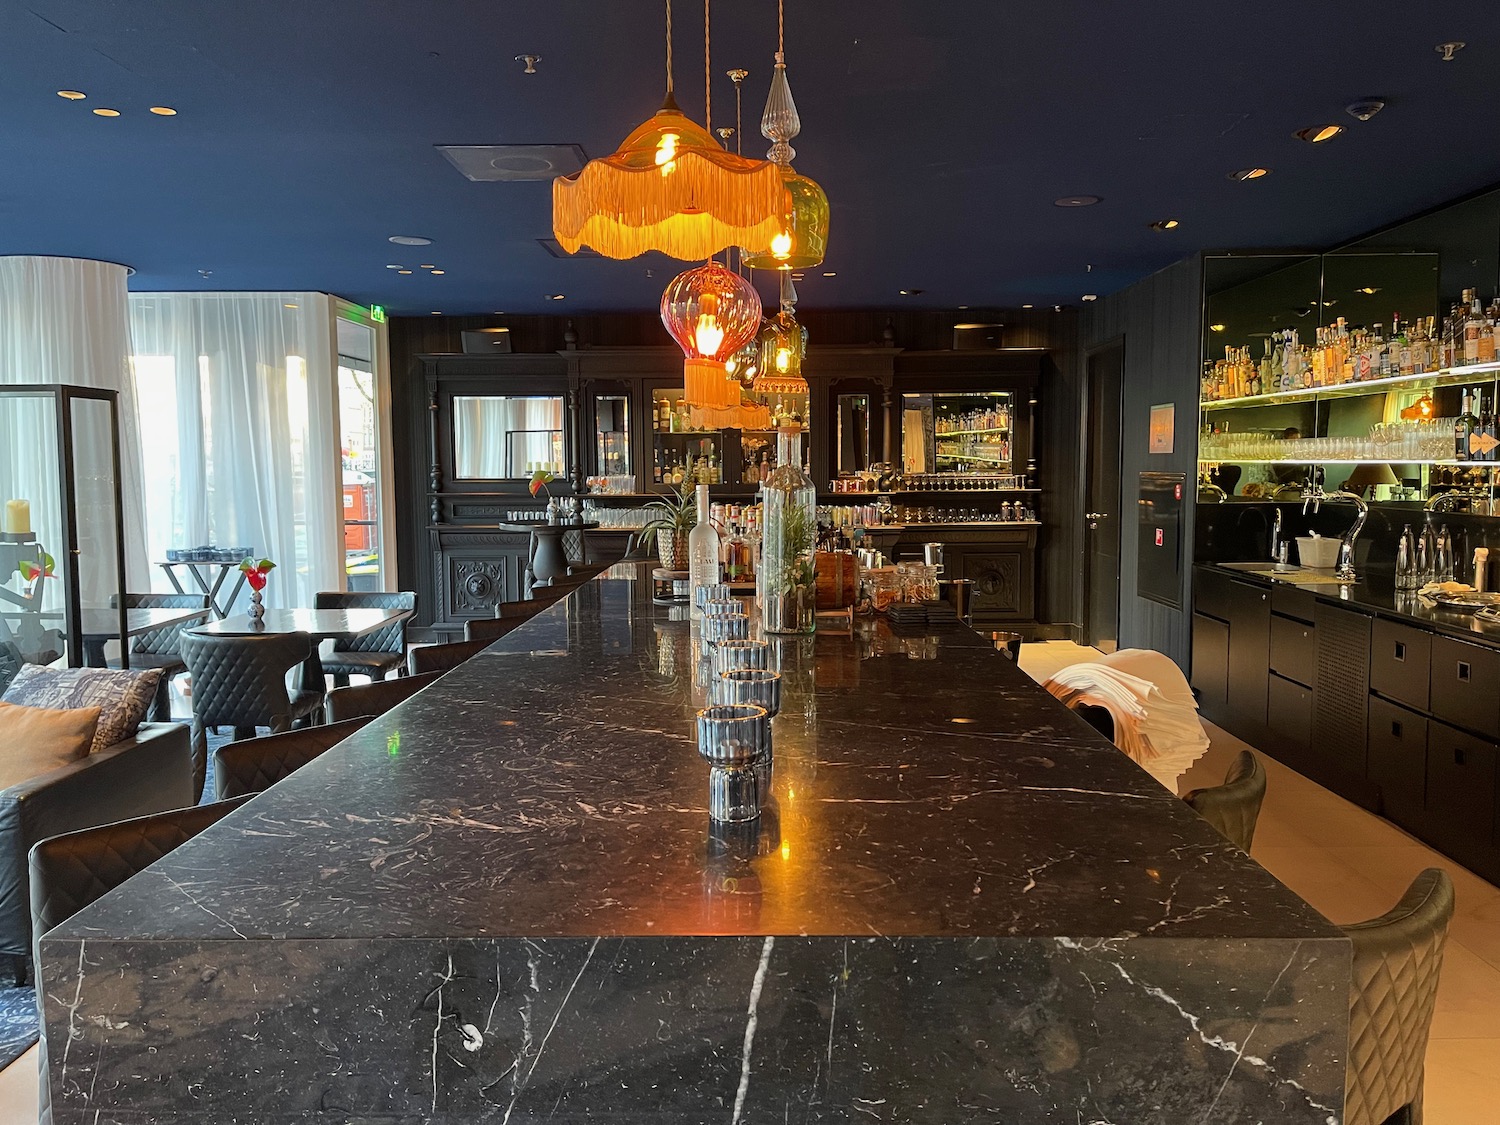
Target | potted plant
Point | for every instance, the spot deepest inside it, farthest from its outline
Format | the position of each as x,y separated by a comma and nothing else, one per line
671,518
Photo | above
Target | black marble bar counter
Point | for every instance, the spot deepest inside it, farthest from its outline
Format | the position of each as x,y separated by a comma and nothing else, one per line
503,902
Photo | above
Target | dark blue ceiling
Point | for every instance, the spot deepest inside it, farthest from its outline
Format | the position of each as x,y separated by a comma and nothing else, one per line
941,129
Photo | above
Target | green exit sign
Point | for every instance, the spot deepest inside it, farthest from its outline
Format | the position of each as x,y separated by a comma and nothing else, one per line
377,314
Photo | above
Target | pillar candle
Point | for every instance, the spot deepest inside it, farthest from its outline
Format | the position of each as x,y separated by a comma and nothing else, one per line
17,517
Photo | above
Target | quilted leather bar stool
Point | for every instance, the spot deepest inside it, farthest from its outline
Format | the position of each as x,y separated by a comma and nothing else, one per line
491,628
240,682
256,764
1397,960
377,653
443,658
369,700
161,648
1234,807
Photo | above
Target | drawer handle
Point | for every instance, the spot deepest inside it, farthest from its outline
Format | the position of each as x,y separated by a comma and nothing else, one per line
1396,727
1401,651
1463,671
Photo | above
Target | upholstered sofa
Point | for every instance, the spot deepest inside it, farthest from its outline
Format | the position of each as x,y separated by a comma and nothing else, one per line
149,773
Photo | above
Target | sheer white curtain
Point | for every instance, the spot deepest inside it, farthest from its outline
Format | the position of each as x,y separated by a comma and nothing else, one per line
240,430
63,320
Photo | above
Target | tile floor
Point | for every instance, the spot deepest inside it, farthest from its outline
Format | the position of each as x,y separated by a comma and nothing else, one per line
1346,862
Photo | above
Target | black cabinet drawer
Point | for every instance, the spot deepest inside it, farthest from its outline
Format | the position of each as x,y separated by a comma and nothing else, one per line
1211,592
1294,650
1397,762
1211,664
1465,686
1460,802
1249,655
1292,602
1400,657
1289,709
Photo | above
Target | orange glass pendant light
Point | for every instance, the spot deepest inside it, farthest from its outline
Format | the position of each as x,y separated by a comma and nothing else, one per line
670,187
712,313
783,346
801,240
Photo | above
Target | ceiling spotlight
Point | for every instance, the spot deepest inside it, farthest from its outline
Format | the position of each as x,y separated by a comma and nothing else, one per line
1217,327
1249,174
1091,296
72,95
963,307
403,271
1057,308
1027,306
831,273
530,61
395,266
1368,290
205,273
1448,50
1165,224
555,296
409,240
436,312
438,273
1317,134
1076,201
1365,108
107,112
912,292
163,111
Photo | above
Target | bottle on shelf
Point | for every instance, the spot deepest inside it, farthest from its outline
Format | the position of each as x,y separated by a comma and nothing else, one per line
1482,444
703,551
1463,427
1408,573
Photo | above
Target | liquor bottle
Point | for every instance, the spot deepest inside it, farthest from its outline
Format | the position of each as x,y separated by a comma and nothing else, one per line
703,551
1486,337
1463,427
1473,317
1407,572
656,467
1482,444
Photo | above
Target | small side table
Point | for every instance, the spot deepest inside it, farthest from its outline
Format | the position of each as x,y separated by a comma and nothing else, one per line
201,572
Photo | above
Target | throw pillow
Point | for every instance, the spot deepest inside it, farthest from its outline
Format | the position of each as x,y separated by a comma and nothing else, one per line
37,740
122,697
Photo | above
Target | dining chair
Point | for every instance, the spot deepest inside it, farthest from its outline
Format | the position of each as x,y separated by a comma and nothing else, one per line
374,654
256,764
240,682
161,648
1398,958
1234,807
442,658
492,628
369,700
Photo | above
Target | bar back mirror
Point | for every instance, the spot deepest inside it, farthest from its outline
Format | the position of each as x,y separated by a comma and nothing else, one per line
611,413
960,433
500,437
854,433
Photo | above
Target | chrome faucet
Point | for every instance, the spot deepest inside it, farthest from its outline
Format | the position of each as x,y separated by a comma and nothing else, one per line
1442,501
1314,495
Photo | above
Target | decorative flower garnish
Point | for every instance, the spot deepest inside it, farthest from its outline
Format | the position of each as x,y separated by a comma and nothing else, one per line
540,480
32,569
256,572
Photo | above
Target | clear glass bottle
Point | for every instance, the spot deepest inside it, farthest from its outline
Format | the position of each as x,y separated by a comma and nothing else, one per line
1407,572
785,583
703,551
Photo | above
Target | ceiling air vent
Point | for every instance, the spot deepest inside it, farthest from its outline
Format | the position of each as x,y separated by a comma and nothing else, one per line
509,163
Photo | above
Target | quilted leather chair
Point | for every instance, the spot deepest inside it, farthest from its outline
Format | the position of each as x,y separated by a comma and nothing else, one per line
240,682
160,648
1397,959
491,628
256,764
369,700
146,774
1234,807
71,871
376,653
443,658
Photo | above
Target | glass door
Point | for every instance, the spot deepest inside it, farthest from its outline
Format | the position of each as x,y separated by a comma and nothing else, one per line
363,412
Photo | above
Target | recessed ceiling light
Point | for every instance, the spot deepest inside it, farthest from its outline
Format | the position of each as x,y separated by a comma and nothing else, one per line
438,273
1365,108
409,240
555,296
1448,50
798,276
427,266
436,312
1369,290
1091,296
1076,201
1249,173
963,306
831,273
1027,306
72,95
101,112
1165,224
205,273
1216,327
163,111
912,292
395,266
1317,134
403,271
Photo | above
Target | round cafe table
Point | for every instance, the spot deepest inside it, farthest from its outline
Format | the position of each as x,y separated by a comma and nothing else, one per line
548,559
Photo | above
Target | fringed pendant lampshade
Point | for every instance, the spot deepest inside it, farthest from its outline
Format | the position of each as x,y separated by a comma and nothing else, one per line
712,313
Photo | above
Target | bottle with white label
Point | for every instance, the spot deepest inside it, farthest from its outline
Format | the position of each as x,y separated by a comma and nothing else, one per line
703,551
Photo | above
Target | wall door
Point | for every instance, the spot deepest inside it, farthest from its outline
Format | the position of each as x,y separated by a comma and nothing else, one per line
364,425
1102,499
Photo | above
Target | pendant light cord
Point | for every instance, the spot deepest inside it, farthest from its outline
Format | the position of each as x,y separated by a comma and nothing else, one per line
708,100
669,46
780,30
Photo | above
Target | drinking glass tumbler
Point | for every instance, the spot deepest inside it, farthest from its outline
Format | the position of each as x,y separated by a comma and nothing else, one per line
715,592
729,655
718,629
758,687
722,607
734,738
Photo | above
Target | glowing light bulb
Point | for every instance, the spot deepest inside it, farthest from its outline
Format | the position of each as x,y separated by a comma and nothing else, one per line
781,246
783,359
666,154
708,336
731,365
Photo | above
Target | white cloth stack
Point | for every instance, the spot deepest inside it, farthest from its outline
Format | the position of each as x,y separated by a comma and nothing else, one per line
1155,714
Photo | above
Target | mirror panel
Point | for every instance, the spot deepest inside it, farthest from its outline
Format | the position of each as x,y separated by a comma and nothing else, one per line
612,434
498,437
957,434
853,433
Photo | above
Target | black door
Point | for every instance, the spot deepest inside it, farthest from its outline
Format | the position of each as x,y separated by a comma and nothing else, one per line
1102,499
